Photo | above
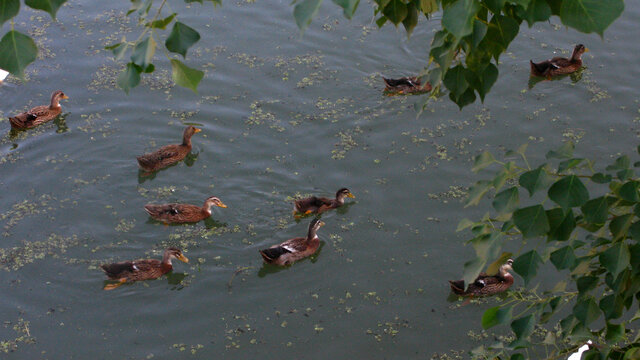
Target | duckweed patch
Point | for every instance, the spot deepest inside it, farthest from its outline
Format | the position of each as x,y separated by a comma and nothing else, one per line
346,143
21,328
26,208
19,256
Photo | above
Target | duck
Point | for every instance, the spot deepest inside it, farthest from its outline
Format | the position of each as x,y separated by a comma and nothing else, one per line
143,269
183,213
486,285
559,65
318,205
168,154
292,250
39,114
405,85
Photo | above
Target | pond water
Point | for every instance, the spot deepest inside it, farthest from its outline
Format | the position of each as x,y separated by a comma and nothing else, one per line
282,116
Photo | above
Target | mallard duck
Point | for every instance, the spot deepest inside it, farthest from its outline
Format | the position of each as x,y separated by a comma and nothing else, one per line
405,85
318,205
294,249
39,114
168,154
484,284
183,213
559,65
143,269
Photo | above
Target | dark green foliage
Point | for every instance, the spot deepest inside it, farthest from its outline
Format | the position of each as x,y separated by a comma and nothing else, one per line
587,226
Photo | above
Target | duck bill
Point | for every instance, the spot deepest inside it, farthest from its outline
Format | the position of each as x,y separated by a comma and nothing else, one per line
586,49
351,195
222,205
197,130
183,258
320,223
65,97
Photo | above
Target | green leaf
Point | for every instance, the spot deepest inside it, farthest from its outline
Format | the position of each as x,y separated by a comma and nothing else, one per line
600,178
526,265
477,191
495,5
616,258
632,354
502,30
621,163
50,6
569,192
411,20
118,50
586,284
590,15
458,17
596,211
629,191
538,10
396,11
634,230
129,77
482,161
487,245
506,201
619,226
456,82
472,269
561,223
531,221
523,327
569,164
304,11
535,180
348,7
143,52
428,6
162,23
482,83
18,50
564,152
181,38
8,9
563,258
615,333
185,76
496,316
586,310
612,306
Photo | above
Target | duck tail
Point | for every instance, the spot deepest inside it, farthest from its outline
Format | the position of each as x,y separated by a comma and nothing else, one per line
272,254
457,286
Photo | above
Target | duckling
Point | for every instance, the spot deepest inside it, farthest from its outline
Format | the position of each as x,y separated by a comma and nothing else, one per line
168,154
143,269
318,205
39,114
484,284
183,213
294,249
559,65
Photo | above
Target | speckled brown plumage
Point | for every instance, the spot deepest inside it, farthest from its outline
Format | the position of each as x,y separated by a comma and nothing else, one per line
39,114
294,249
183,213
486,285
559,65
168,154
143,269
318,205
405,85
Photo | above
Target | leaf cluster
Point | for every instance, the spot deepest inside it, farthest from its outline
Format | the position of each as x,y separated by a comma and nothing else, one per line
581,221
464,53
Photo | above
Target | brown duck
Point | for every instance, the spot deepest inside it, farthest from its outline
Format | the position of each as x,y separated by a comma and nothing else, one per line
318,205
294,249
405,85
39,114
168,154
143,269
559,65
183,213
486,285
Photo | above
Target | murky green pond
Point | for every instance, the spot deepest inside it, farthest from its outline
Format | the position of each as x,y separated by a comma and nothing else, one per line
282,116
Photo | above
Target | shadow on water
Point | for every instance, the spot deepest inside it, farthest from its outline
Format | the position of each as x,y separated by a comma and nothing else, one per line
272,269
173,278
209,223
342,210
575,77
